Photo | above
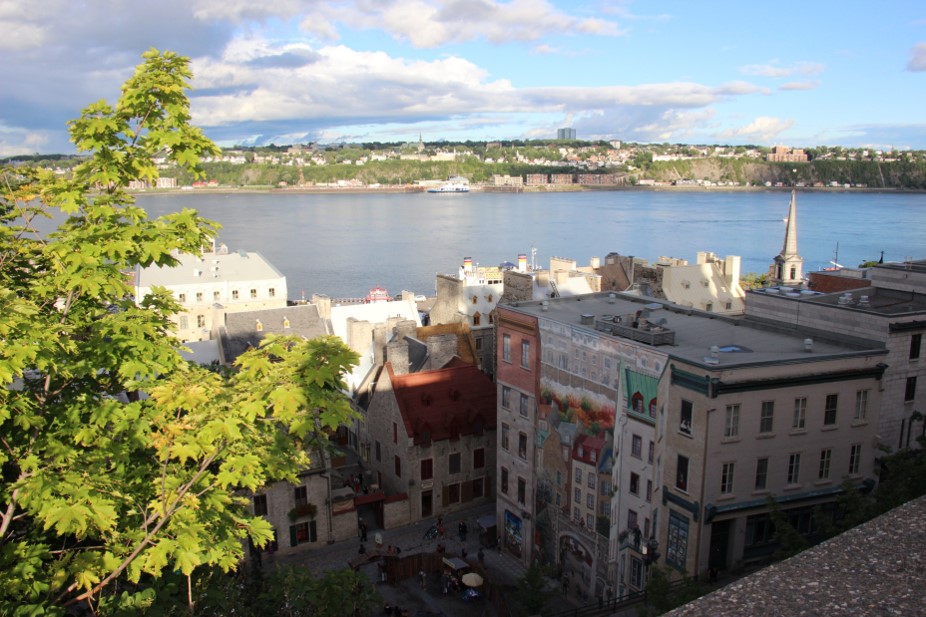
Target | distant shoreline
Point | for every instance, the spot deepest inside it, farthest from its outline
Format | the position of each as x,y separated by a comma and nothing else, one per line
327,190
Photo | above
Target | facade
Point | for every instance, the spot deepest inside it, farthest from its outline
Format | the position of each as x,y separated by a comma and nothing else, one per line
211,284
891,310
428,434
706,417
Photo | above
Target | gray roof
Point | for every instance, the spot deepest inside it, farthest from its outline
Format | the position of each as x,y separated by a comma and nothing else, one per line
874,569
240,331
742,342
210,268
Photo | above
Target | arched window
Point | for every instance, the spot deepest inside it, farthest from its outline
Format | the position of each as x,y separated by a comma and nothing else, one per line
652,408
636,402
477,318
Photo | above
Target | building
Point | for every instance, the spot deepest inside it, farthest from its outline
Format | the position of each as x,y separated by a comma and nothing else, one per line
211,284
891,311
428,434
706,417
784,154
566,133
787,266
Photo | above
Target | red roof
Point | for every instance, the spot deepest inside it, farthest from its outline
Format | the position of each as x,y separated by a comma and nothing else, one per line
446,403
586,444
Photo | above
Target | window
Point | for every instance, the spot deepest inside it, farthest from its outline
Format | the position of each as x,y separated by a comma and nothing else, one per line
578,476
732,425
253,293
636,573
681,480
800,412
636,446
303,532
234,294
525,354
184,322
794,468
522,445
427,468
395,433
649,490
522,490
910,391
559,478
915,342
726,478
379,456
201,322
524,405
684,424
479,458
652,451
504,436
260,505
398,467
478,488
506,348
575,514
825,458
506,397
590,501
478,344
829,410
504,481
632,519
591,481
767,416
199,296
476,319
454,463
578,495
606,508
216,296
272,292
861,404
182,298
300,496
761,474
855,457
634,484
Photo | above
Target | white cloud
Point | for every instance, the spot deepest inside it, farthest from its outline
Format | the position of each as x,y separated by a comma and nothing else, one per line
772,69
761,130
917,58
800,85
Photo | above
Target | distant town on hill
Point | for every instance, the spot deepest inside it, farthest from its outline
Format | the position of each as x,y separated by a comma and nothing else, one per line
540,165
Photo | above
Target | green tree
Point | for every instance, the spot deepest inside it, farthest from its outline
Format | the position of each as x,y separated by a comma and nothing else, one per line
532,591
119,459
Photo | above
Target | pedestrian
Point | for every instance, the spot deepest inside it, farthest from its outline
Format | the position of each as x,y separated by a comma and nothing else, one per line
440,529
463,552
440,520
363,531
363,550
382,572
421,578
498,544
481,555
463,530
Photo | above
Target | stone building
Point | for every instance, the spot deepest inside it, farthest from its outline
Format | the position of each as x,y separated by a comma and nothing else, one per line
706,417
211,284
428,434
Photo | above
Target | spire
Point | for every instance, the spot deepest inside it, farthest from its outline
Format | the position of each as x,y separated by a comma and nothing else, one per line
789,249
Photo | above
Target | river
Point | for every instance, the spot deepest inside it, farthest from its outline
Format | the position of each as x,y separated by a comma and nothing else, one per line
343,244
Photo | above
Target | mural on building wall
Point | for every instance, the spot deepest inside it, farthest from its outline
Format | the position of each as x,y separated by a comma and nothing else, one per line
513,537
677,550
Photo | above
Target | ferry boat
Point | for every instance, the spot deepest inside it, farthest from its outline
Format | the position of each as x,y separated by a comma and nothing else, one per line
378,294
454,184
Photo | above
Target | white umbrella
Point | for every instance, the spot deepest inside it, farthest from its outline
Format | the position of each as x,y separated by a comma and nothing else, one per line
471,579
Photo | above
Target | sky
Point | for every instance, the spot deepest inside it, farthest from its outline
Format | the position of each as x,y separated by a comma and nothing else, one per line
846,73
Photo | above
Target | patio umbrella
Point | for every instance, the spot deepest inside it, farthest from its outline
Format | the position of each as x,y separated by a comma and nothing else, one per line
471,579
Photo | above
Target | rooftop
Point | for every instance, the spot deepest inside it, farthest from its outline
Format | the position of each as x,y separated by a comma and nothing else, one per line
689,335
209,269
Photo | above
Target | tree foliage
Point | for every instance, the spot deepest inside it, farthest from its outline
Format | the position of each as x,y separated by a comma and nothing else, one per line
120,460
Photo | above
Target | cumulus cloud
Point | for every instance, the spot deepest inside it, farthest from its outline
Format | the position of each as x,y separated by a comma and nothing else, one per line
917,58
800,85
762,129
773,69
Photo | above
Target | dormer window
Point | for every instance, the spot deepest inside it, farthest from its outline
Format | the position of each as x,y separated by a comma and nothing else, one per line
260,326
286,322
475,299
489,298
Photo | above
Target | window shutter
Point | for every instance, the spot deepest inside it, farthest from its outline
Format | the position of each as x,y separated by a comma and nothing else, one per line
445,495
292,536
313,532
467,490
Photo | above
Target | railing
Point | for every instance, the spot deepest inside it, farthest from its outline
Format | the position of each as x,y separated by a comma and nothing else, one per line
596,609
649,334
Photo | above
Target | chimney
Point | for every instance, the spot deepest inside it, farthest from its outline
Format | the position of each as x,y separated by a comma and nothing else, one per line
397,355
323,303
380,336
595,263
359,335
731,270
441,349
406,327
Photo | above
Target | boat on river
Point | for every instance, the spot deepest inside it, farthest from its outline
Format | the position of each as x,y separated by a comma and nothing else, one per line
454,184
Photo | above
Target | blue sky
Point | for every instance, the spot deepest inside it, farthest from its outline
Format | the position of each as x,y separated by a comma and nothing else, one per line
819,72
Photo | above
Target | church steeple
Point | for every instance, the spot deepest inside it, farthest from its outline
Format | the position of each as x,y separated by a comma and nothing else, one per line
788,264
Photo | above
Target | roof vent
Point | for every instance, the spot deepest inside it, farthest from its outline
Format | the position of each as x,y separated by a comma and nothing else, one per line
587,319
808,345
